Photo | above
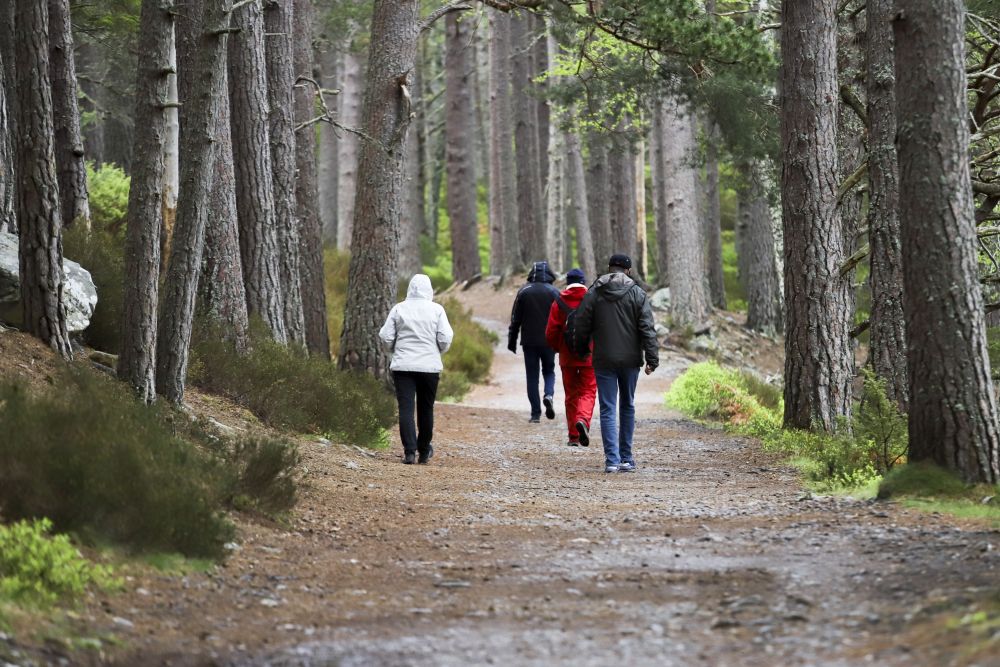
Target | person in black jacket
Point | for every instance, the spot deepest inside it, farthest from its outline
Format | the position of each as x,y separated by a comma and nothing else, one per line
529,317
617,316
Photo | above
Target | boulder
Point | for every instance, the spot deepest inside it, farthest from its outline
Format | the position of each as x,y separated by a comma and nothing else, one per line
79,291
660,299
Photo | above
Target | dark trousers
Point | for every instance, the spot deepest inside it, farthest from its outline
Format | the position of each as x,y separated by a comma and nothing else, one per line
545,356
416,390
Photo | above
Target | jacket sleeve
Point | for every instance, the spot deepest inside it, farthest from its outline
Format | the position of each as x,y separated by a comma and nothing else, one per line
647,331
515,323
445,334
388,331
554,326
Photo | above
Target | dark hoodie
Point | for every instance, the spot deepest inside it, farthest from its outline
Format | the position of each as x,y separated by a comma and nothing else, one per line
617,316
531,307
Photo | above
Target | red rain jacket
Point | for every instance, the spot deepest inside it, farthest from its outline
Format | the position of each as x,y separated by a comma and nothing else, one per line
572,296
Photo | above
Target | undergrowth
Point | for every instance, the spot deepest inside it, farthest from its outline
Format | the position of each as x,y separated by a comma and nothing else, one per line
931,488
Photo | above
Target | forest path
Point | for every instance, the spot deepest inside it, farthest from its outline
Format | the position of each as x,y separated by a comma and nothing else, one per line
513,549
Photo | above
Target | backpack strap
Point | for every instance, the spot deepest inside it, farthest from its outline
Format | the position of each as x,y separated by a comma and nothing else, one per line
563,306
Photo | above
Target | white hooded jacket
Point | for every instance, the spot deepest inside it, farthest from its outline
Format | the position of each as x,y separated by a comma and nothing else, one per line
417,330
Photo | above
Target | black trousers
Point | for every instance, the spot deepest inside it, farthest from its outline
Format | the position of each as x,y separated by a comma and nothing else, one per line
416,390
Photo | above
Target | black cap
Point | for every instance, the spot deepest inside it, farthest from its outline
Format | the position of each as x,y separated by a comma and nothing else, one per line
620,260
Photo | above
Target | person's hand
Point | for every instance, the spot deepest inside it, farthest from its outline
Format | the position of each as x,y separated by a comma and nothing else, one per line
512,346
650,369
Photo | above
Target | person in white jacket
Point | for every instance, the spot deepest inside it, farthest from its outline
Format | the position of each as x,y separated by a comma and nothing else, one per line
417,332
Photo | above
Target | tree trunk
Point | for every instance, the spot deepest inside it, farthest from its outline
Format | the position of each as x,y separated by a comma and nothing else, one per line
70,165
953,409
259,242
577,192
657,171
758,270
850,136
329,147
641,247
888,325
347,159
713,217
137,361
526,150
480,45
8,185
171,156
543,112
40,243
372,285
462,209
599,198
685,252
180,289
505,244
281,128
621,190
818,361
413,206
311,274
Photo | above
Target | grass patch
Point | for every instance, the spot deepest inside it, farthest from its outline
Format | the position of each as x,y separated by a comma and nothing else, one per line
927,487
471,355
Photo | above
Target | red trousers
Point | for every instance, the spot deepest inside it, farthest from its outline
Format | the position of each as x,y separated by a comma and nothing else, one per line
580,388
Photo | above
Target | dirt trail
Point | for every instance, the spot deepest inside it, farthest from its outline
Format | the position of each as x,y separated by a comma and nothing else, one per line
513,549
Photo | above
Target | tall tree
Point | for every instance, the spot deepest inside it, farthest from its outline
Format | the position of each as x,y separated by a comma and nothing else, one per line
375,241
576,190
328,167
307,187
461,192
180,289
526,148
350,116
71,168
621,193
171,154
281,129
505,244
137,361
953,408
758,268
657,170
40,242
599,197
8,186
259,243
888,325
713,216
818,359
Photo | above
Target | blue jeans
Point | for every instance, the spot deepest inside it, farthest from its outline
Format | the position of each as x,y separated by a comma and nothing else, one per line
617,429
535,355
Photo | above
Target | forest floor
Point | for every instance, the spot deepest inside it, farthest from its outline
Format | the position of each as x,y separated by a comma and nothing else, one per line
512,549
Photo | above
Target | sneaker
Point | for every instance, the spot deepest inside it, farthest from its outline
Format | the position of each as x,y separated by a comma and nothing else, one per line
550,411
535,420
584,434
610,468
424,458
627,467
409,458
572,443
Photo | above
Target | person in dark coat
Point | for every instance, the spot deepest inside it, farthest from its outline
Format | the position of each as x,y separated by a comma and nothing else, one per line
528,318
617,316
577,370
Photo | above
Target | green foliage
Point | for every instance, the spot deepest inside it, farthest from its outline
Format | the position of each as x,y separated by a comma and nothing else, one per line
285,387
336,269
880,424
262,473
707,390
100,464
471,355
39,568
736,296
993,347
929,488
108,187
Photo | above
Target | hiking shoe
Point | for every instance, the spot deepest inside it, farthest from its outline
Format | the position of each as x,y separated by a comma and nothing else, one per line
572,443
627,467
584,434
409,458
535,420
424,458
610,468
550,411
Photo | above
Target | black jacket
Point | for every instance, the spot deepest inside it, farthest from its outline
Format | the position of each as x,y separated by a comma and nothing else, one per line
616,314
531,308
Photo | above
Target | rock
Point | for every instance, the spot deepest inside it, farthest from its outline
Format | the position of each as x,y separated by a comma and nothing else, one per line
79,291
123,622
660,299
704,345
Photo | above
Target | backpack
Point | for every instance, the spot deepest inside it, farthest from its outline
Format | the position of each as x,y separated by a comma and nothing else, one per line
569,330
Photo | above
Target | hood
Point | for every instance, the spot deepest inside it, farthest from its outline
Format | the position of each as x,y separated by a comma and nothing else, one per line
613,286
420,288
540,273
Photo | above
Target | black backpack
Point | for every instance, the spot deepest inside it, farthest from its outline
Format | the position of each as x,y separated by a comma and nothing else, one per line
579,348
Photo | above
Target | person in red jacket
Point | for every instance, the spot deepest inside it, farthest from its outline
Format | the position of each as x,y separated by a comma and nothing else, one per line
579,383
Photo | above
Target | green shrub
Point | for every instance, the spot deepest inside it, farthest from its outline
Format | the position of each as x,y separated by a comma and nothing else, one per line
880,425
108,187
922,480
262,472
100,464
336,269
471,355
102,253
708,390
736,297
39,568
285,387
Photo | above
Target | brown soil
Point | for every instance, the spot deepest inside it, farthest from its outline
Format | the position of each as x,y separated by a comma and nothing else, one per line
512,549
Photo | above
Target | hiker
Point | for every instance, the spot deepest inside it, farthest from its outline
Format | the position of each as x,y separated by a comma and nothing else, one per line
577,370
417,332
529,317
616,315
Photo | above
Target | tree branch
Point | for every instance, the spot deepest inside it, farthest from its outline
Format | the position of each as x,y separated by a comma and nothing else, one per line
852,180
455,6
852,100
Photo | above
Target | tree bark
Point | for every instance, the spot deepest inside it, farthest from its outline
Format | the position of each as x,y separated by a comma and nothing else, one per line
577,192
462,209
8,183
888,324
953,409
505,244
713,217
350,116
758,269
543,112
375,243
657,171
818,361
311,273
259,242
413,207
599,197
329,170
526,148
40,242
641,247
70,165
171,155
621,191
